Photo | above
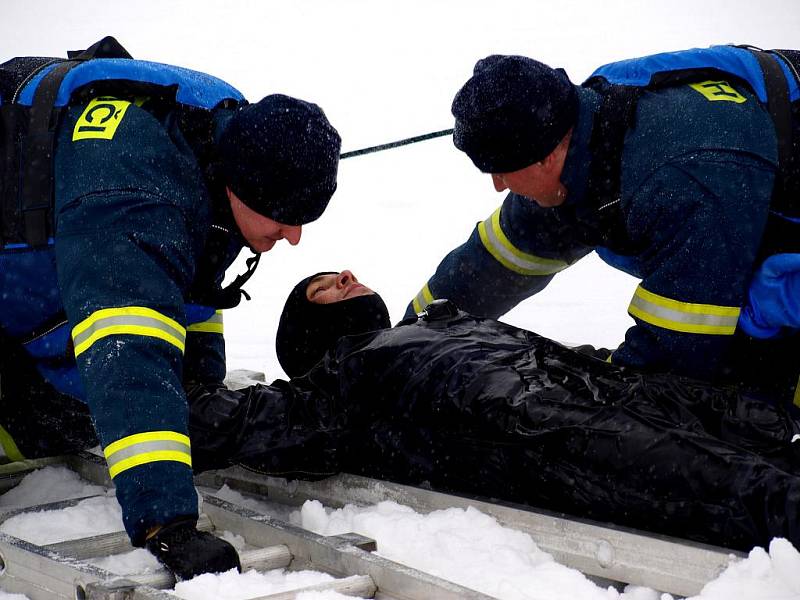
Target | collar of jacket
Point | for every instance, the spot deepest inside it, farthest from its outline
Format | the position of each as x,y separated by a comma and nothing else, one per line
575,175
221,214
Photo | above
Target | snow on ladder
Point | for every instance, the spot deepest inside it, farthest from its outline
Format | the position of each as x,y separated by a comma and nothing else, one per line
61,571
606,555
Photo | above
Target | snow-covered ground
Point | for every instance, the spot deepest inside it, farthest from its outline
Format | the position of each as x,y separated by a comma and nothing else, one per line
387,70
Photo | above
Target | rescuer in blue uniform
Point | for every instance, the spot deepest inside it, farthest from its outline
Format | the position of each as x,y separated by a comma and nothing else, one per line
685,207
154,198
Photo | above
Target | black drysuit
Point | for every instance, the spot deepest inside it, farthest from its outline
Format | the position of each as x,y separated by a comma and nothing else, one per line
475,406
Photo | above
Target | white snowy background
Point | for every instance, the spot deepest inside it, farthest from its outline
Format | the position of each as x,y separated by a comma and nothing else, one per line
388,70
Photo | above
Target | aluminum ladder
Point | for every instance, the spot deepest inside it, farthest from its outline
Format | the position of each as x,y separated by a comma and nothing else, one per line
60,571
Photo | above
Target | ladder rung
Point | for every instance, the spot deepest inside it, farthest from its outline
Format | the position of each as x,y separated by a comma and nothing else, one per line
106,544
357,585
260,559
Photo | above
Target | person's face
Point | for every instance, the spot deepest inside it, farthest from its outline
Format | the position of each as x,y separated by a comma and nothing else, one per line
541,181
335,287
261,232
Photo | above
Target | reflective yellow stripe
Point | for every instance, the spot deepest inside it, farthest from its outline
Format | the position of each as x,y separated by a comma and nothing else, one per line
683,316
149,457
500,247
796,400
212,325
128,320
422,299
143,448
10,450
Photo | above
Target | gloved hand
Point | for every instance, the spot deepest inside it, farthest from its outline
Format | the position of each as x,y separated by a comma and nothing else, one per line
598,353
773,299
187,552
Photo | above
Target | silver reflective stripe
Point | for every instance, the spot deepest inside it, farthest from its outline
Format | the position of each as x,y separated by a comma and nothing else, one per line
213,324
128,320
528,264
145,448
422,299
683,317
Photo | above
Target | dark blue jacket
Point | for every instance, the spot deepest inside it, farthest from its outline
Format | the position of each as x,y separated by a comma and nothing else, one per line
697,175
134,204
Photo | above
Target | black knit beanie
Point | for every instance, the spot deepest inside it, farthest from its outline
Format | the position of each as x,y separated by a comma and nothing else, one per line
280,157
307,330
513,112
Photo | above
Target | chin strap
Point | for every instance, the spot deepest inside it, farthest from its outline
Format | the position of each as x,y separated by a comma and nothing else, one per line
231,295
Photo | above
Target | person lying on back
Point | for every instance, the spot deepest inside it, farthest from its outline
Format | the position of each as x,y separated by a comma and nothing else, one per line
470,405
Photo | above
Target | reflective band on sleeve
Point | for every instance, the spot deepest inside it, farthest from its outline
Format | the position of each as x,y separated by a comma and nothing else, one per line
683,316
128,320
796,400
143,448
8,448
423,299
212,325
501,248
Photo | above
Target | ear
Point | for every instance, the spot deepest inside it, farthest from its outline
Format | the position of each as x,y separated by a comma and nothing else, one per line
554,161
232,198
551,161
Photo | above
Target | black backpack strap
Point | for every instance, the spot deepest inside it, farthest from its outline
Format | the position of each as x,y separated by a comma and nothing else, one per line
16,72
777,103
108,47
39,144
617,113
38,150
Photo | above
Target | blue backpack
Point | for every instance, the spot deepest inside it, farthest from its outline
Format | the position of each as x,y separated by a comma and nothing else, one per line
772,75
34,92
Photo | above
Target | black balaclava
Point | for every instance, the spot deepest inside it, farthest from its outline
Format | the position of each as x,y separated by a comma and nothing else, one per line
307,330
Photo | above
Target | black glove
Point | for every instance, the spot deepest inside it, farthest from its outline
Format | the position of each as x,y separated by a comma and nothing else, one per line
187,552
598,353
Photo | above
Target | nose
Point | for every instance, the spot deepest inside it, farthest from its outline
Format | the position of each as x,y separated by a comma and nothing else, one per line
499,183
292,233
345,277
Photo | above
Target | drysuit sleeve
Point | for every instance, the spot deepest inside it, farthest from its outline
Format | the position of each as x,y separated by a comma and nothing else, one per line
285,429
702,219
131,211
510,256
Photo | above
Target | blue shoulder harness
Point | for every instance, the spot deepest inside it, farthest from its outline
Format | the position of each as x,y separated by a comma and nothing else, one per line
193,88
645,71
